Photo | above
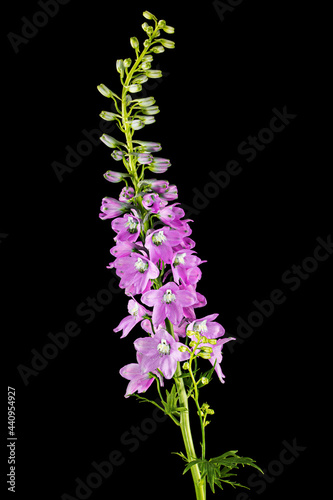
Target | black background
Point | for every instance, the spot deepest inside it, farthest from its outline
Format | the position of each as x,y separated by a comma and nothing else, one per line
220,86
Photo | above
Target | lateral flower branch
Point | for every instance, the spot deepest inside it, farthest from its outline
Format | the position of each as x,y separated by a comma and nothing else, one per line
159,270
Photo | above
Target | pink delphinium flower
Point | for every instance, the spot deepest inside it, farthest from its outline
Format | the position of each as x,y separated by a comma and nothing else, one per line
182,261
127,227
160,243
137,311
140,381
112,208
136,273
162,352
207,327
168,302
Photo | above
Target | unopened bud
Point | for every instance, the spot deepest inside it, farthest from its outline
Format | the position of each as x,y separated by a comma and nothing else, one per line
151,110
204,380
108,116
206,349
183,348
104,90
109,141
169,29
120,67
161,23
154,73
148,15
204,355
127,62
136,87
147,58
134,42
158,49
140,79
168,44
212,341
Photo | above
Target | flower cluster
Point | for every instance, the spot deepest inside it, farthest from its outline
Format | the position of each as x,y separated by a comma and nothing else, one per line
154,254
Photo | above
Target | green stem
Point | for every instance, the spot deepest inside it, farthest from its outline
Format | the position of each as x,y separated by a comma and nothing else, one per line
196,399
185,426
199,483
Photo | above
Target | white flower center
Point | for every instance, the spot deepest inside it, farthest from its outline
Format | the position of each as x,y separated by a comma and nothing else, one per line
201,327
180,259
131,224
140,265
135,309
169,297
163,347
158,238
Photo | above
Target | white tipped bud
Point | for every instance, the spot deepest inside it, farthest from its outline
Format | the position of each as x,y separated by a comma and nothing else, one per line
169,29
127,62
140,79
104,90
120,67
147,58
148,15
108,116
204,380
154,73
135,88
158,49
134,42
168,44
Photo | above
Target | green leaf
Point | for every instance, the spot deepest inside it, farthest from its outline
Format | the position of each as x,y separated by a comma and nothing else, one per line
170,406
211,469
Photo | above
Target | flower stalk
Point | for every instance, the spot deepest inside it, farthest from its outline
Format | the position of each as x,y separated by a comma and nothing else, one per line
154,259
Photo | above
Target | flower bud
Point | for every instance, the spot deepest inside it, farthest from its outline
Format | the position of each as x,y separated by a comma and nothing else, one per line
145,26
117,155
159,165
206,349
109,141
145,65
134,42
183,348
204,380
140,79
212,341
148,58
151,147
186,365
136,87
137,124
168,44
151,110
145,158
204,355
158,49
154,73
120,67
108,116
171,193
104,90
113,176
168,29
127,62
145,101
148,15
147,120
161,23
